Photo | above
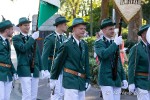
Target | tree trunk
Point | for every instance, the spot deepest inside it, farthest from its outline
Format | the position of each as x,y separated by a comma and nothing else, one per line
117,19
74,13
104,9
133,27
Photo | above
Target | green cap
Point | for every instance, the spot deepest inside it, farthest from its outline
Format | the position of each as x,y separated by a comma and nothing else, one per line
23,20
60,20
77,21
143,28
5,24
106,22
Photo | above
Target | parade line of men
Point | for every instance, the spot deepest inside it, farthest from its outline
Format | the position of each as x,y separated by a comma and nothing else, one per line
65,61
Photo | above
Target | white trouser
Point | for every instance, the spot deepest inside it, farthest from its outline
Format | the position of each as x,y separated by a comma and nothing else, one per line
142,94
111,93
72,94
59,90
5,90
29,87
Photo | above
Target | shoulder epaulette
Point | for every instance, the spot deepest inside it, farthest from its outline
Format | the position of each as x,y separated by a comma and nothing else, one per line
52,34
66,40
137,44
65,34
98,39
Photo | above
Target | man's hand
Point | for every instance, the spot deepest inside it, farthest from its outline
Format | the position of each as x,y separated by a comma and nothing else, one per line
42,74
87,86
124,84
35,35
118,40
47,74
15,77
132,88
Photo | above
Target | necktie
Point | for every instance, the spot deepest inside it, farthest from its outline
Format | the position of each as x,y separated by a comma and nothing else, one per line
60,38
111,41
26,38
80,46
6,41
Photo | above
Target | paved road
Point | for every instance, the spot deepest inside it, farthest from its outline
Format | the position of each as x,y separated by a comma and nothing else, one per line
44,91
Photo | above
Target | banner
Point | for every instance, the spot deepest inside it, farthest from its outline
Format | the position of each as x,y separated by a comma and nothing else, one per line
47,10
128,8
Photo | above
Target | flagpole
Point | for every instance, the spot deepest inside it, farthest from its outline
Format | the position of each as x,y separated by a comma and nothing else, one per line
3,19
34,52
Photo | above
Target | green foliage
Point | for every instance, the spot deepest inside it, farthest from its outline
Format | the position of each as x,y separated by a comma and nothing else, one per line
124,33
70,8
96,16
125,66
129,45
92,62
93,70
146,11
90,41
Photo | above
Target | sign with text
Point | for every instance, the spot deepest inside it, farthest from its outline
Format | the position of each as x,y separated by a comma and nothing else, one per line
128,8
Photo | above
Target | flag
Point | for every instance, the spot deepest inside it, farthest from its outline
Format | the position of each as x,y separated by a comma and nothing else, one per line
47,9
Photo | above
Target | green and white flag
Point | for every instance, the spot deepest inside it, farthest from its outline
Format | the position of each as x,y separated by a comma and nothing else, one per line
47,9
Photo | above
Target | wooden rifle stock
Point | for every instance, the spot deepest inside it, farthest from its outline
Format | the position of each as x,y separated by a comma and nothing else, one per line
117,55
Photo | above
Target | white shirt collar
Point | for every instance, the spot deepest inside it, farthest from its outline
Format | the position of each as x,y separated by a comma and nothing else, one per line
58,33
144,42
107,38
3,37
77,41
24,34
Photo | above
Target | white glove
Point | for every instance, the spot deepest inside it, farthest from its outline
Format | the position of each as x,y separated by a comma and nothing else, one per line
47,74
147,35
52,83
15,77
35,35
132,88
124,84
42,74
118,40
87,86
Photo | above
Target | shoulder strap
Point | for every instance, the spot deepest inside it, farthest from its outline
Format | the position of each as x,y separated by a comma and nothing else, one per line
135,58
54,52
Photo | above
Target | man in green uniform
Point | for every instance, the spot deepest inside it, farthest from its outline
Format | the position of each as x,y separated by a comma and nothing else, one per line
73,60
139,66
105,49
7,70
28,73
51,45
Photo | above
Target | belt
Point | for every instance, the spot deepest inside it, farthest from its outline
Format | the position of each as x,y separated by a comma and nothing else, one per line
5,65
142,74
50,58
74,73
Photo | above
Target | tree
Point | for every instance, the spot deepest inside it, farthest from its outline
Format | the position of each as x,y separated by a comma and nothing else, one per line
104,9
146,12
70,8
133,27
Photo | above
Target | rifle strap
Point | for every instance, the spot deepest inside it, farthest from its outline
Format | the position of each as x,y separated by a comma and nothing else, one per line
54,52
135,59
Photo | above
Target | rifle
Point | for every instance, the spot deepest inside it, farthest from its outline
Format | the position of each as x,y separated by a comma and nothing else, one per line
117,55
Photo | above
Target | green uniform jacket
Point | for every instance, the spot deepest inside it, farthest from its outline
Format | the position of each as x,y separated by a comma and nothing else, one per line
71,57
138,63
106,52
48,49
24,51
5,57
